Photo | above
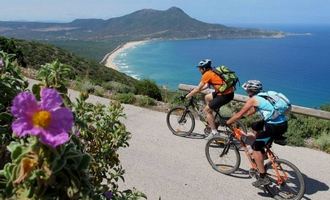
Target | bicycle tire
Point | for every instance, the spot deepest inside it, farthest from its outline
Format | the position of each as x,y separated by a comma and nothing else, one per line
224,157
295,182
175,115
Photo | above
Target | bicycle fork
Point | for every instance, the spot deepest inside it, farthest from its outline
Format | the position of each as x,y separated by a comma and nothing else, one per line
183,117
226,149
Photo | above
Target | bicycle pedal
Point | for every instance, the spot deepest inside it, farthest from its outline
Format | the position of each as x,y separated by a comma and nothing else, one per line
253,173
207,131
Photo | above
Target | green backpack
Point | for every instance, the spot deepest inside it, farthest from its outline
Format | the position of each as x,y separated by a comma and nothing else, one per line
228,76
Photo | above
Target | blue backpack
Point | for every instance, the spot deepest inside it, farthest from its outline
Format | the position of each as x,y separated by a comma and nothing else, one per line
279,101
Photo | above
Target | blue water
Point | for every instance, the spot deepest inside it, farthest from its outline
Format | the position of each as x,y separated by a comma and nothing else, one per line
297,65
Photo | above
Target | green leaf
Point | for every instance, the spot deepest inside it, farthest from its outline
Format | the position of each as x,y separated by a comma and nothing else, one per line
12,146
29,192
84,163
5,118
17,152
36,90
58,164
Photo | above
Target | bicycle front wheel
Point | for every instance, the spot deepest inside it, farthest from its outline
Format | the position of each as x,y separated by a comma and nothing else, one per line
180,121
222,155
287,182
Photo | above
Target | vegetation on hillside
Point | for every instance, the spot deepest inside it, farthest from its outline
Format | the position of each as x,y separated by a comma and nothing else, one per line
35,54
94,50
89,75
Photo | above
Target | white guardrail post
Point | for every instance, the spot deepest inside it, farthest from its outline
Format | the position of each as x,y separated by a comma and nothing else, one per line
295,109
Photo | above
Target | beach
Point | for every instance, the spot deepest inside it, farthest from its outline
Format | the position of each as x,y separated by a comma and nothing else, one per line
109,58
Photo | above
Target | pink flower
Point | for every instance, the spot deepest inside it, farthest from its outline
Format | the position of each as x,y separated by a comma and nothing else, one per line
45,119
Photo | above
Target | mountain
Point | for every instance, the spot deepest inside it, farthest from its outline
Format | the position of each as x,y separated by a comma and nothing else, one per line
173,23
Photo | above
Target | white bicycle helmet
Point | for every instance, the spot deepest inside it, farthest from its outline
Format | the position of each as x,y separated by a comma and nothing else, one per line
205,63
252,85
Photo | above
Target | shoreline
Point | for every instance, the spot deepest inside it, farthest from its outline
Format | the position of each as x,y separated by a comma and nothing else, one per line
109,57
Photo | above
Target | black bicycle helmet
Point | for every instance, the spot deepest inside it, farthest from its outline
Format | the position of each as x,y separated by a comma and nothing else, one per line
205,63
252,85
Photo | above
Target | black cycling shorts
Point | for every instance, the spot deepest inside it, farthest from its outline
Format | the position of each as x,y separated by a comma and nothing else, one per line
220,100
266,133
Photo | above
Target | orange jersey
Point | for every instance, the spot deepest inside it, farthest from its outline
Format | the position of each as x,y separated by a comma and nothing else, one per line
209,77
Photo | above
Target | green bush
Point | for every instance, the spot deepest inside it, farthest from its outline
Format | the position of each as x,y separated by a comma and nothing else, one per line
325,107
323,142
102,135
87,166
85,86
117,87
99,91
144,101
11,83
127,98
149,88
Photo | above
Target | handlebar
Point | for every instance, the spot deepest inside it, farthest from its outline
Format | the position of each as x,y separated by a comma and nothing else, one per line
191,100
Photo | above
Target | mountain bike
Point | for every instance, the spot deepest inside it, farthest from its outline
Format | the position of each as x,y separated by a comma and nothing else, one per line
287,182
181,119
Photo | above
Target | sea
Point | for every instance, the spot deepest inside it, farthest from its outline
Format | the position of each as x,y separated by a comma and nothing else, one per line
297,65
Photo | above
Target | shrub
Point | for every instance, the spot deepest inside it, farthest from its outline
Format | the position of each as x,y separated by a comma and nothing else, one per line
144,101
149,88
99,91
127,98
117,87
103,134
86,86
323,142
78,162
55,74
11,83
325,107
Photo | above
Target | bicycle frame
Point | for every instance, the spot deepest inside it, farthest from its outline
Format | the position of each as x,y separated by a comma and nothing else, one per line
195,107
281,175
191,103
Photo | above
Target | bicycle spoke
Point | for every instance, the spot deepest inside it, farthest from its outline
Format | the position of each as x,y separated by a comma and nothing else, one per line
222,158
180,122
287,181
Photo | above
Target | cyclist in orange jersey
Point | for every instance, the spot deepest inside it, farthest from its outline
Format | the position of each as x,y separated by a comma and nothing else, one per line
215,99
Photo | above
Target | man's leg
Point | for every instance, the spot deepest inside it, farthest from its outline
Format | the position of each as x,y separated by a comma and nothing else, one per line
209,117
208,98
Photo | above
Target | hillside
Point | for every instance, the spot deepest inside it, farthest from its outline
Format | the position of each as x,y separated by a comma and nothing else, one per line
173,23
34,54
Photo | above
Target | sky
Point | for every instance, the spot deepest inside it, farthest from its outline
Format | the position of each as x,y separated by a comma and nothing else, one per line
211,11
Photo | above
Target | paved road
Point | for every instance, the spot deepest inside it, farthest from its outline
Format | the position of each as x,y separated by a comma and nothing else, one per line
174,168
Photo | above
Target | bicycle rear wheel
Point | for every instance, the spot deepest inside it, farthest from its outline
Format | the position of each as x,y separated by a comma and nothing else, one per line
180,121
291,183
222,155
